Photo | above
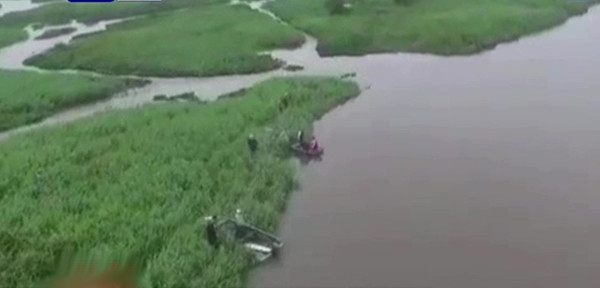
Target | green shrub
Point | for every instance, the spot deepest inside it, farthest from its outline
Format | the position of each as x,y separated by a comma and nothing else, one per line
336,6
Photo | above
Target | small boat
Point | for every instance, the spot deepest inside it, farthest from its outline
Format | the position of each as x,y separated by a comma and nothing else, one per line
261,244
311,153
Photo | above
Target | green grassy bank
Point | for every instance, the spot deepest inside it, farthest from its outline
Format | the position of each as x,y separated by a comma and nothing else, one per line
63,12
431,26
12,25
138,182
27,97
208,41
10,35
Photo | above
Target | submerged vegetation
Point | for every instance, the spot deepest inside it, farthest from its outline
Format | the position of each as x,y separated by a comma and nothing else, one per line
293,67
28,97
430,26
139,181
51,33
179,44
187,96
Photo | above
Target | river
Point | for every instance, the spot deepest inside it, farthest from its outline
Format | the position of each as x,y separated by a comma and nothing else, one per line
457,172
451,172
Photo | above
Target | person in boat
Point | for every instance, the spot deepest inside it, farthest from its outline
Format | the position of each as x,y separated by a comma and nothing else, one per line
211,232
252,143
314,145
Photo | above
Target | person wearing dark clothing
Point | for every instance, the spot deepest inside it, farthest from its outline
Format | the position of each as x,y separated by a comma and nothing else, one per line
300,137
301,140
252,143
211,233
284,103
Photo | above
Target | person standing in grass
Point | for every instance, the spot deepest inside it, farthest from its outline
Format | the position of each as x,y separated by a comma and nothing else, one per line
252,143
300,139
211,232
238,216
300,136
283,104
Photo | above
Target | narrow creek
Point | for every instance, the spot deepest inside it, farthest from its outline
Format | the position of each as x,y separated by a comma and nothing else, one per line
13,57
454,172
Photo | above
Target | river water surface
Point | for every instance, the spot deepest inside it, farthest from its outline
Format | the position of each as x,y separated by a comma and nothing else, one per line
460,172
449,172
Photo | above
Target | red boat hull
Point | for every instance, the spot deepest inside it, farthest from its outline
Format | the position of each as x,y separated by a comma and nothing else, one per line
310,153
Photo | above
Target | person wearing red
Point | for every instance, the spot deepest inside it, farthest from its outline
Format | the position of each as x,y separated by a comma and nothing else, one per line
314,145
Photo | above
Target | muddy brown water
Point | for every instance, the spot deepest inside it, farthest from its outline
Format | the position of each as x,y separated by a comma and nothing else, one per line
459,172
478,171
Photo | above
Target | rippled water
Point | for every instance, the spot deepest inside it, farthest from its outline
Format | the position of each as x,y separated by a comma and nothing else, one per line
457,172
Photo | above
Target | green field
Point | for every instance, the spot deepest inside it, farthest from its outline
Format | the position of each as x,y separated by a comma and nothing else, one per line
63,12
137,182
9,35
207,41
431,26
28,97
